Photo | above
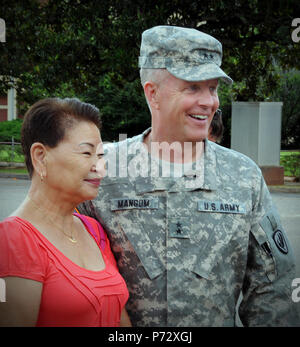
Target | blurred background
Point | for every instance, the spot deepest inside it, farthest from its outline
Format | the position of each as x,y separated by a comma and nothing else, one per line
89,49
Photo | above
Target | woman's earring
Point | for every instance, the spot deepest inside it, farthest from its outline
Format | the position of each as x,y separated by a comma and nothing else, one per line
42,177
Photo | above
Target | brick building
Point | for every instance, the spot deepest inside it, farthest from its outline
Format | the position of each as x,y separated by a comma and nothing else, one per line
8,105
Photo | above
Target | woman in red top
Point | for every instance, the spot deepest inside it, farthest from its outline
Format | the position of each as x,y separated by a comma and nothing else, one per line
57,265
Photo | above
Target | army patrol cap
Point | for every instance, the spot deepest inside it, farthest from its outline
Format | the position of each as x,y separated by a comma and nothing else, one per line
187,54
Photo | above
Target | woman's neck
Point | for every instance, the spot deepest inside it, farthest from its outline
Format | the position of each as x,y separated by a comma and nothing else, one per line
44,205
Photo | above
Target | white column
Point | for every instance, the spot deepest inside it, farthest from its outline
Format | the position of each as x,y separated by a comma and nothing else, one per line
12,104
256,131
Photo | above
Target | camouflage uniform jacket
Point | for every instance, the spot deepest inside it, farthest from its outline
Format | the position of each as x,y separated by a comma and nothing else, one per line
187,248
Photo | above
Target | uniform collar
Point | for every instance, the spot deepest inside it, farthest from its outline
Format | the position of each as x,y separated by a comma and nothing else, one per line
210,173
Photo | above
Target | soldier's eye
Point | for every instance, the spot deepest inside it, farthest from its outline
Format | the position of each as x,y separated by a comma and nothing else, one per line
213,88
194,87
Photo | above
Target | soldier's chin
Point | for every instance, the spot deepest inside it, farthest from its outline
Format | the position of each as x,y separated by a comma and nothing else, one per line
197,135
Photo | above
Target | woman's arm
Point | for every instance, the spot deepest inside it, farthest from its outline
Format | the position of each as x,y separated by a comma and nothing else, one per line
22,302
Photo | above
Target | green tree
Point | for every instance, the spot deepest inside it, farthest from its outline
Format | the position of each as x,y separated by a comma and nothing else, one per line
9,130
66,48
289,93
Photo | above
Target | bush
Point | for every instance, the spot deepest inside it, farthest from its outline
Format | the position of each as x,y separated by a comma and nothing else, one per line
291,164
11,153
9,129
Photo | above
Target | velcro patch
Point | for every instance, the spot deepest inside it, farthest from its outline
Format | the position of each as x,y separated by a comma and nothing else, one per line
179,228
220,207
129,204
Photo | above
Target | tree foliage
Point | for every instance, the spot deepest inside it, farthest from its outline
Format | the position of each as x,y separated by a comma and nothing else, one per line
90,48
10,129
289,93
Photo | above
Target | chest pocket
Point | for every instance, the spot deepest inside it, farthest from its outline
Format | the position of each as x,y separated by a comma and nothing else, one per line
218,233
223,243
133,216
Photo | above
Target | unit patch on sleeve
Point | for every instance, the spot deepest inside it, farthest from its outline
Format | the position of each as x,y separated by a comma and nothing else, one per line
280,242
220,207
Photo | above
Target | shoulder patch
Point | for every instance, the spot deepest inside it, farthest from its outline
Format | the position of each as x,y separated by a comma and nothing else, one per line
280,241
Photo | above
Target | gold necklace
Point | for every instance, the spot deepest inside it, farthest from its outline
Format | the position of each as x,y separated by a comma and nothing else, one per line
70,237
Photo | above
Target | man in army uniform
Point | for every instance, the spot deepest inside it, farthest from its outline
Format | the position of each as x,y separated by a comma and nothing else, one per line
191,223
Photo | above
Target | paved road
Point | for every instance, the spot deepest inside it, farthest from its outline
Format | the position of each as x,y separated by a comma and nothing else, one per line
13,191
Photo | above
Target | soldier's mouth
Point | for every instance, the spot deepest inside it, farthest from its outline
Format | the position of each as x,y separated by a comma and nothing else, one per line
198,116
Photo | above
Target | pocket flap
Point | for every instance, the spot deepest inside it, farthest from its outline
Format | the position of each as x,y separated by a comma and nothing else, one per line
142,245
203,268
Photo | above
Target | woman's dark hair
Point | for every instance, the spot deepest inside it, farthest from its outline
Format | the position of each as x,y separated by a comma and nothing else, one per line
216,127
47,120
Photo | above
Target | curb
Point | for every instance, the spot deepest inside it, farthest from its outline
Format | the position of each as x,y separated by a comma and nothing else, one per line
14,175
285,189
7,164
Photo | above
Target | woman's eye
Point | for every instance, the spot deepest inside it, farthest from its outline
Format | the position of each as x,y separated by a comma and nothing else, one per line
87,153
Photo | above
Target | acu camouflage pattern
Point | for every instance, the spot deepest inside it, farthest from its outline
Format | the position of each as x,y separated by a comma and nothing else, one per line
186,267
188,54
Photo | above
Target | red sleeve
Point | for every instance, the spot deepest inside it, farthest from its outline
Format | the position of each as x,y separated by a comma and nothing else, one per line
20,253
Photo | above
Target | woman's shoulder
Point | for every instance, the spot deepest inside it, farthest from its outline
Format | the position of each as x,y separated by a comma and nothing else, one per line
14,227
20,251
17,227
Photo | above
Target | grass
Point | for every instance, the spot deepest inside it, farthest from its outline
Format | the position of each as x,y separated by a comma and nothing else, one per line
14,170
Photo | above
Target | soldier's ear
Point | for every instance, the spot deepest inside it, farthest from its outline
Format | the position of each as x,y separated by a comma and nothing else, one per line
151,93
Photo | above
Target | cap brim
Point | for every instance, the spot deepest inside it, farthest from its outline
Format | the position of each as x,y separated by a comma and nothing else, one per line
200,73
